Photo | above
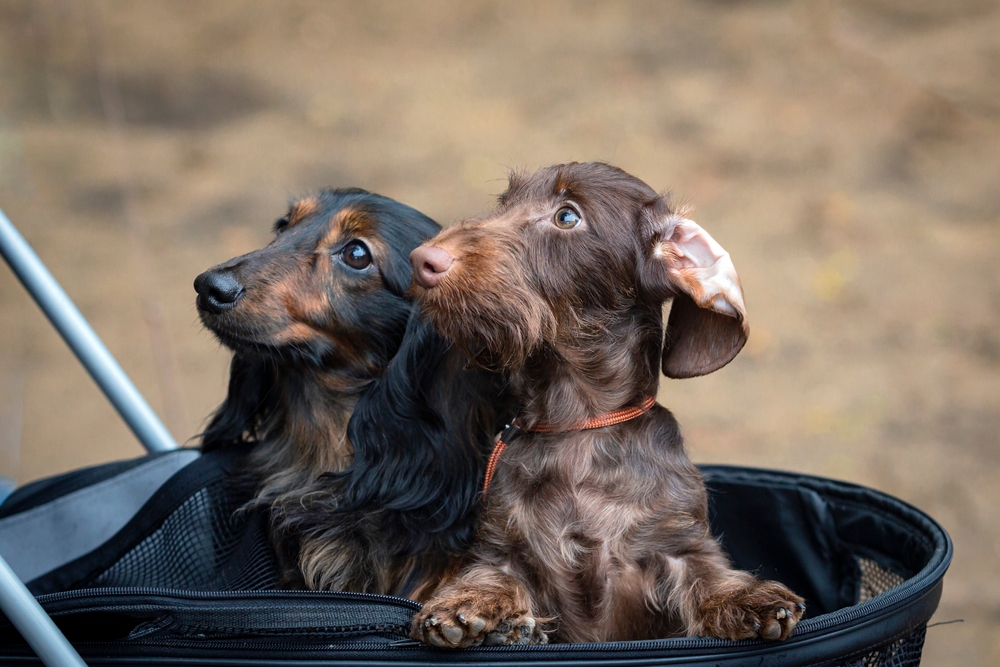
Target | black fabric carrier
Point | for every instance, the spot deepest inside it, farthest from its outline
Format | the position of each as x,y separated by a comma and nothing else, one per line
190,579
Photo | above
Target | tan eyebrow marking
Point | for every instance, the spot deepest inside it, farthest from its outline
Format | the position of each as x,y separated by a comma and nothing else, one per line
302,209
347,223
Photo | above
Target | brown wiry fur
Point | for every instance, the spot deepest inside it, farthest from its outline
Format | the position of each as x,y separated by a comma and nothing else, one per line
604,531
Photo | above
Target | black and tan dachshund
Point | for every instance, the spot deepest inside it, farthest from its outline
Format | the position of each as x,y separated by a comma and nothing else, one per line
321,329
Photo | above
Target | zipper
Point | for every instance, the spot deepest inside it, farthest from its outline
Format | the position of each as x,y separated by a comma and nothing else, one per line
195,625
872,609
83,593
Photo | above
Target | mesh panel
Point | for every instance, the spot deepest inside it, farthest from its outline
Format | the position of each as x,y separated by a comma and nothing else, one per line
203,545
903,652
875,579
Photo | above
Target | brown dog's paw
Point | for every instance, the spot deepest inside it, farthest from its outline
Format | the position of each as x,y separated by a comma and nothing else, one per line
521,630
449,631
777,620
767,610
466,621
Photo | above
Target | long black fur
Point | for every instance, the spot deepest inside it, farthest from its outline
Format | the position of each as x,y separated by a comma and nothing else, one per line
247,407
422,435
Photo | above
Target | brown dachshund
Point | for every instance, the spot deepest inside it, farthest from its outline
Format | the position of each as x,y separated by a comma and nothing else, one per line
595,523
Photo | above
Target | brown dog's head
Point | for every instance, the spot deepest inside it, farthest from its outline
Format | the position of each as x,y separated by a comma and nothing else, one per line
575,256
328,291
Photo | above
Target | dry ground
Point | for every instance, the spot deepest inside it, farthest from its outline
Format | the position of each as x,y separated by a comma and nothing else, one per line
846,153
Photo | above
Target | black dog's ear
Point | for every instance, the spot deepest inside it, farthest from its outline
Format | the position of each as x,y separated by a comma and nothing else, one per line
247,405
403,229
708,325
421,435
396,272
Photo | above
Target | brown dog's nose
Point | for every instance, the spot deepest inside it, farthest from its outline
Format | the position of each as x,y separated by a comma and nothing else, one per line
430,263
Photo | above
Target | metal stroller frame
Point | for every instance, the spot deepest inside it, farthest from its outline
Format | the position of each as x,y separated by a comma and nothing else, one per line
16,601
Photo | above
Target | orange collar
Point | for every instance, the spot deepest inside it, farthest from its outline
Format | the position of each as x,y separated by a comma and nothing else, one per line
514,430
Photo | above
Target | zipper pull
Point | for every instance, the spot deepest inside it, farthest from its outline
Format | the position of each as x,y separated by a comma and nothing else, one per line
404,643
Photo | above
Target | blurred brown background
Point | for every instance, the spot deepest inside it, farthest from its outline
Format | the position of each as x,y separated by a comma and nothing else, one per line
846,153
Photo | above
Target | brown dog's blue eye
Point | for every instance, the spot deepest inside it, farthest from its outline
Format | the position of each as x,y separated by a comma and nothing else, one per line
357,255
566,218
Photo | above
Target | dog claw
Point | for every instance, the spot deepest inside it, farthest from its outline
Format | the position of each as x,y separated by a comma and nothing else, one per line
430,622
434,640
494,639
769,611
514,632
452,634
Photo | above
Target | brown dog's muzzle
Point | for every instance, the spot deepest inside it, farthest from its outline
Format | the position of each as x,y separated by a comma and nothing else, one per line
430,264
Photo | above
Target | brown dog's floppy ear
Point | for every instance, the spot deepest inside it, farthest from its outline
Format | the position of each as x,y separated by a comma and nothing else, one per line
707,325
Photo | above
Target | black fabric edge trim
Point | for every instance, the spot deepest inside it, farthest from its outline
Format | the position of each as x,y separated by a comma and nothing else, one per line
41,491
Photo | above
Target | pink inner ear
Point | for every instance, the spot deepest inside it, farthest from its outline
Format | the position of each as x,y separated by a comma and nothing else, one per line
701,267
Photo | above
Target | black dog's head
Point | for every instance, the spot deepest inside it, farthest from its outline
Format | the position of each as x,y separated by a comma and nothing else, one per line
326,295
328,290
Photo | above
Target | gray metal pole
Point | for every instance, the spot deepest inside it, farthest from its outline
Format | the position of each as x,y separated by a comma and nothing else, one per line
33,623
81,338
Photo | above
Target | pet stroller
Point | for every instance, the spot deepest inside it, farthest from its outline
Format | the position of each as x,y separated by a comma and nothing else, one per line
150,562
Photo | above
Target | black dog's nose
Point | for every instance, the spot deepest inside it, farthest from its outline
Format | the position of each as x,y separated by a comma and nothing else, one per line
217,291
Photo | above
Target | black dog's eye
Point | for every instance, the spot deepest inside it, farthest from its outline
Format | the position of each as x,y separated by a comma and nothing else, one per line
566,218
357,255
280,224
